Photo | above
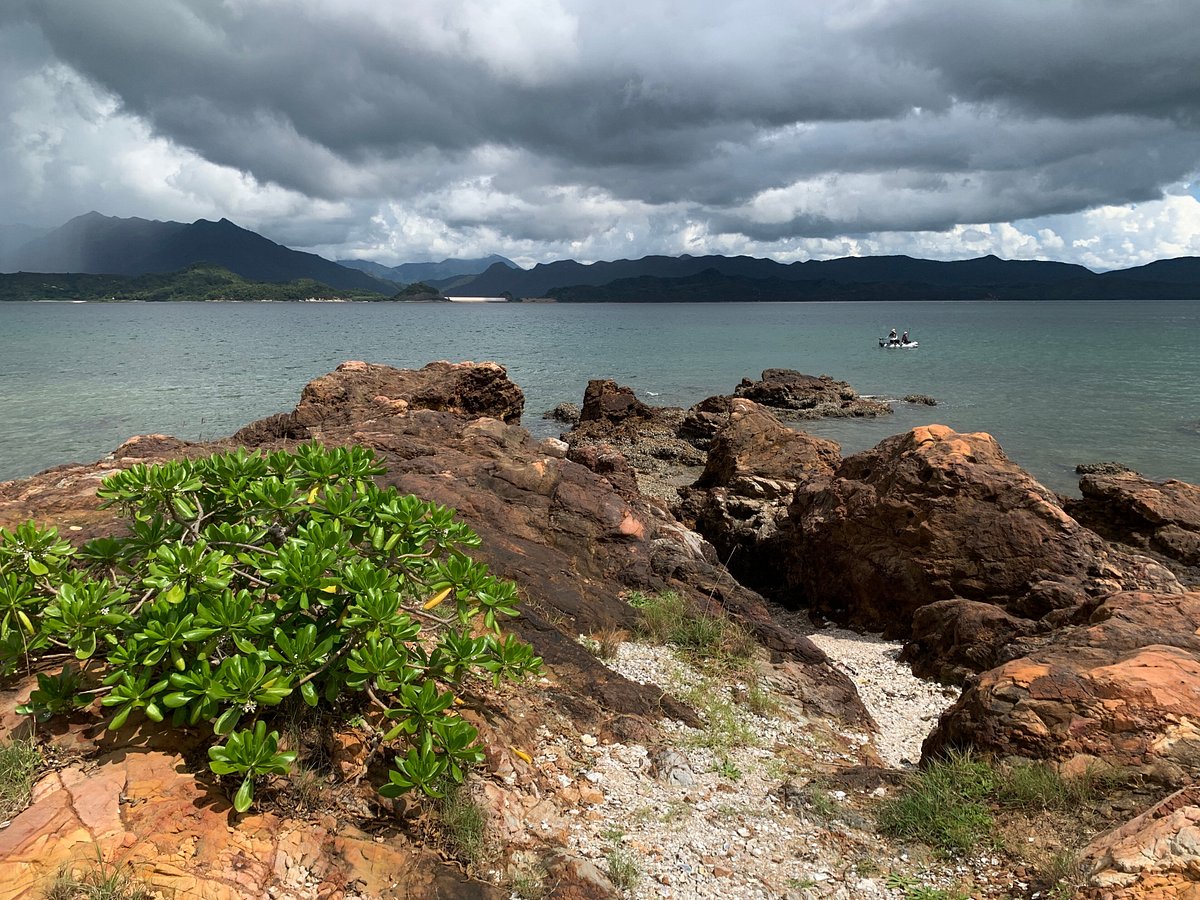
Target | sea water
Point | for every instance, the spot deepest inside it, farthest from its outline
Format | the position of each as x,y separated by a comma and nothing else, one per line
1057,383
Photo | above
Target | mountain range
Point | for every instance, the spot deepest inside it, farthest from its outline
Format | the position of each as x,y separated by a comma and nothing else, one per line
710,278
94,243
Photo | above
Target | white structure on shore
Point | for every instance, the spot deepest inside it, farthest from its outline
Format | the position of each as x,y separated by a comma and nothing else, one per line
477,299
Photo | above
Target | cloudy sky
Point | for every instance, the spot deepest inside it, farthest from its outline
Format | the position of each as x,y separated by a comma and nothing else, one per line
603,129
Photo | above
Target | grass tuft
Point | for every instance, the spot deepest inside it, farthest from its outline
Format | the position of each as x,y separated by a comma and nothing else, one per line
98,881
668,618
19,763
464,825
623,870
944,805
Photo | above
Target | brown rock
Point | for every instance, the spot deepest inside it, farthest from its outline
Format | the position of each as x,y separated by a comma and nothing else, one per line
1124,690
1161,516
144,809
755,448
952,639
934,515
605,400
358,391
575,879
1158,851
754,465
809,396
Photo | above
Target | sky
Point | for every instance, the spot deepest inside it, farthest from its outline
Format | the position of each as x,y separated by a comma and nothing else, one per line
606,129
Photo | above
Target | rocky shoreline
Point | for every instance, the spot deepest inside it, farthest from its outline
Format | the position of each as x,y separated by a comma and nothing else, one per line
1069,627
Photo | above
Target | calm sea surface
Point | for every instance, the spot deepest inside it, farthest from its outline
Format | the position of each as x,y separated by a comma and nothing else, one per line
1057,383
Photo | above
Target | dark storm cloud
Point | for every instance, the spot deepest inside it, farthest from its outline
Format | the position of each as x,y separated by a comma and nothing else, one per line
763,119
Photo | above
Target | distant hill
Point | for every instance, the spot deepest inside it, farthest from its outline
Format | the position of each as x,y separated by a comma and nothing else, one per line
428,272
98,244
200,282
704,278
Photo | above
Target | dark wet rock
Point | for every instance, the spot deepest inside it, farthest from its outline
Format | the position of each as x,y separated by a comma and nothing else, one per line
1102,468
605,400
922,399
754,465
809,396
1159,516
953,639
704,420
564,412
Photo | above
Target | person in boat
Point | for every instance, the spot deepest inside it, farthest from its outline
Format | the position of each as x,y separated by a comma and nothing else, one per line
892,339
904,338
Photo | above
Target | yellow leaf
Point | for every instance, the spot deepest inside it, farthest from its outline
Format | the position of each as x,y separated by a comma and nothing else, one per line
330,589
437,598
521,754
458,701
312,495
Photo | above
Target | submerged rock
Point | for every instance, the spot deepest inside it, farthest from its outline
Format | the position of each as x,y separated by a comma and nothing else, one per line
809,396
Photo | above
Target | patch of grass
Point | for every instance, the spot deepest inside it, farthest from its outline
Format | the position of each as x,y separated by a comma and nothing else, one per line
19,763
724,728
1066,874
818,800
98,881
606,642
530,883
464,825
944,805
761,701
623,870
727,770
668,618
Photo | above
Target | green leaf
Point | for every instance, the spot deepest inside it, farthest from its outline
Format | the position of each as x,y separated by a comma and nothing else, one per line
308,693
245,795
227,720
175,593
38,568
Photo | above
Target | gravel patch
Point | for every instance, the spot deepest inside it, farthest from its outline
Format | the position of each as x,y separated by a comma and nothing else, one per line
905,707
746,806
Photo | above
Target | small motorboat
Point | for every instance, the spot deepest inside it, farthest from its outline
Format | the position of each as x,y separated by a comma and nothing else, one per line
897,344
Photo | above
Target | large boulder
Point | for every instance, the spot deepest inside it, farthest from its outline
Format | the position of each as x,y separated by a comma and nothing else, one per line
1158,516
1124,687
809,396
754,464
754,448
605,400
932,515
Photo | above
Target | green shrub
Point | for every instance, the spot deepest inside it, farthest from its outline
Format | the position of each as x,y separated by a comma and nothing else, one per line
246,579
944,805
